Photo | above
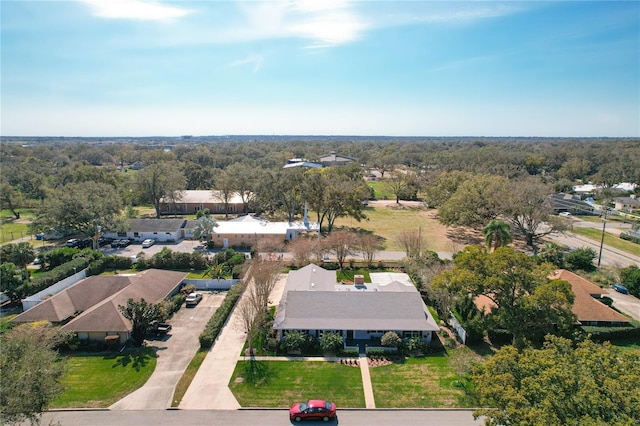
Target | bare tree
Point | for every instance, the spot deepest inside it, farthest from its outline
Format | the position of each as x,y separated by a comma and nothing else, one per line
264,276
369,245
342,244
302,248
249,316
412,243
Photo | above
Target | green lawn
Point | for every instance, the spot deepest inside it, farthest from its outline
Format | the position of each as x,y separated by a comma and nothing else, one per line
99,380
12,228
388,222
381,190
609,239
425,382
280,383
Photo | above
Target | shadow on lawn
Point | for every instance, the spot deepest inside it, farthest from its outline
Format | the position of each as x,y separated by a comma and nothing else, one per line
137,358
256,372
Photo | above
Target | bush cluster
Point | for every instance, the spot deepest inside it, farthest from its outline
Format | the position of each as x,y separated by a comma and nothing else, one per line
51,277
218,319
601,334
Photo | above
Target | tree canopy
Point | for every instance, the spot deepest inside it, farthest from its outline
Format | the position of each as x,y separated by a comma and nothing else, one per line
521,298
30,372
559,384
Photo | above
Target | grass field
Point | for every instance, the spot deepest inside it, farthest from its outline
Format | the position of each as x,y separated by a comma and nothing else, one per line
381,190
425,382
388,222
12,228
97,381
279,383
609,239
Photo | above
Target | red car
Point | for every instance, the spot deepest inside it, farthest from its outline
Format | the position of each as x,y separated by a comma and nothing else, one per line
313,409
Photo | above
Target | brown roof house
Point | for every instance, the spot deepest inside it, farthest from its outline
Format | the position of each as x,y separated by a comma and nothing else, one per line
586,306
90,307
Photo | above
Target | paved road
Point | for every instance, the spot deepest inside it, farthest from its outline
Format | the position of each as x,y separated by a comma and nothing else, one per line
174,351
610,256
258,417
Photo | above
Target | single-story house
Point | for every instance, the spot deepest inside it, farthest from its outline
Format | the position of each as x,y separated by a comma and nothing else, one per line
586,306
190,201
161,230
333,159
626,203
314,302
570,203
587,188
245,231
90,307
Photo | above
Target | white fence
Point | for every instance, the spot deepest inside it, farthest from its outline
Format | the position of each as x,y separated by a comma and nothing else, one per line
458,328
211,284
56,288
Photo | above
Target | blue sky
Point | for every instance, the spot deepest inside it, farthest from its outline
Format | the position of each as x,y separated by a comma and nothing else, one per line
322,67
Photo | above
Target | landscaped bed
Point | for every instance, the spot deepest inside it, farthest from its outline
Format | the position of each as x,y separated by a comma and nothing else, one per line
280,383
99,380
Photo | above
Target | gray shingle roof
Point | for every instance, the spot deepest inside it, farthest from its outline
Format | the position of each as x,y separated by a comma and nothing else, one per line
353,310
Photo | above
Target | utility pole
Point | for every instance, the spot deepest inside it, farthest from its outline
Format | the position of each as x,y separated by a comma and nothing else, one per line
604,224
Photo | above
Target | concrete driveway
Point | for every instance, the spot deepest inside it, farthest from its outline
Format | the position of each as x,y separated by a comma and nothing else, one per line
174,352
626,303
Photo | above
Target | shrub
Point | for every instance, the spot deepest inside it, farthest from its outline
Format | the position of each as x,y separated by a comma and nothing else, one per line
331,343
294,341
415,345
215,324
390,339
581,259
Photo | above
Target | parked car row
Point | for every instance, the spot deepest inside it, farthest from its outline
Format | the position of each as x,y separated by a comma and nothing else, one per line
120,243
80,244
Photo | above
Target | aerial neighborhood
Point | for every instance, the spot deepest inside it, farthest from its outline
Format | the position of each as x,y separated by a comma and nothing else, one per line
318,274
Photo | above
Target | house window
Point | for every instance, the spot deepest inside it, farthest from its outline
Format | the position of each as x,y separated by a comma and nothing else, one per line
136,234
409,334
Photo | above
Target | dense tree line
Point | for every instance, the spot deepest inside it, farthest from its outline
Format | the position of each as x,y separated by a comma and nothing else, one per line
508,176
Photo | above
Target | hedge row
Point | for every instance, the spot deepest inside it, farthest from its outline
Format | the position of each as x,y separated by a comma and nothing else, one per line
628,237
51,277
601,334
221,314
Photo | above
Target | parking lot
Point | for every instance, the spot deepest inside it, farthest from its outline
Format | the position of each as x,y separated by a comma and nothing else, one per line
135,248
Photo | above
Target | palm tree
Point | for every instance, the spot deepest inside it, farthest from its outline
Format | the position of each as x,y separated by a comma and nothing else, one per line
204,227
497,233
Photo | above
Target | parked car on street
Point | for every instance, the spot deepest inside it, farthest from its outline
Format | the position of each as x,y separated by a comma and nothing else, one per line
148,243
312,410
193,299
620,288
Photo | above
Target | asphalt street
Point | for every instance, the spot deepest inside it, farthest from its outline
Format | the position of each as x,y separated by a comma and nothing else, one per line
375,417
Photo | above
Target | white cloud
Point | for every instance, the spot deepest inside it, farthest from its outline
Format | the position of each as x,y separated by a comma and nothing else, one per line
135,9
255,60
324,23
